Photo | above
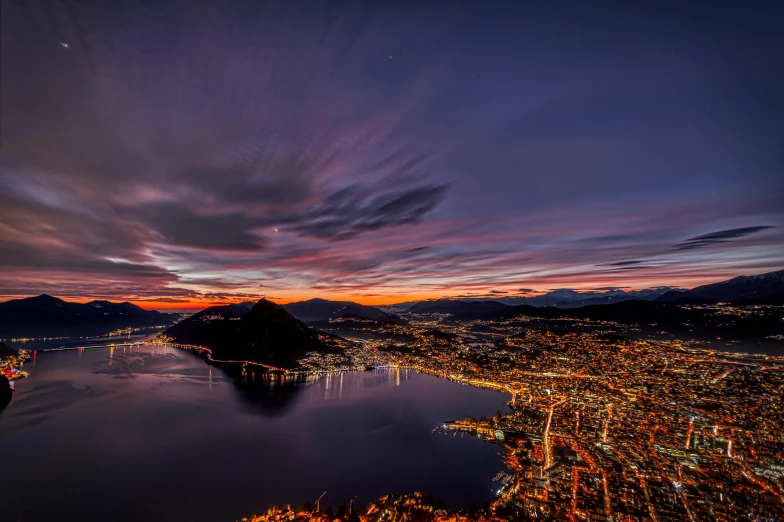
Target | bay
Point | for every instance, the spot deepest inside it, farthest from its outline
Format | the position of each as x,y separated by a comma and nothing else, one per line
154,433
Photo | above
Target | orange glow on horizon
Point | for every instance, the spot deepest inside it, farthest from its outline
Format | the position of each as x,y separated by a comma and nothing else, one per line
200,305
391,296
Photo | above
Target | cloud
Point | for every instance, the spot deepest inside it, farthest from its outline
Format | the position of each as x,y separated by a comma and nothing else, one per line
176,224
624,263
349,212
628,268
294,154
714,238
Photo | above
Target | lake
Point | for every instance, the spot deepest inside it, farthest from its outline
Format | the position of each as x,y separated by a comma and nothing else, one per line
154,433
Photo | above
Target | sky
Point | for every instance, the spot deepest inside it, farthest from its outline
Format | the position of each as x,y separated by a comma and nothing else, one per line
181,153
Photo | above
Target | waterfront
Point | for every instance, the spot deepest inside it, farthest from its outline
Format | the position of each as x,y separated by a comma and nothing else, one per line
90,428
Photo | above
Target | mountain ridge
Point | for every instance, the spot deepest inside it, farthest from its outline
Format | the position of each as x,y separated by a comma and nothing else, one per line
265,334
317,310
47,316
767,288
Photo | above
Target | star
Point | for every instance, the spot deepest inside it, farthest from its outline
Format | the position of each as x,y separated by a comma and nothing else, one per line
64,45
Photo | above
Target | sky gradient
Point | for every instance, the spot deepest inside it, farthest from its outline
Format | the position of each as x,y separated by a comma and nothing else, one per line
182,153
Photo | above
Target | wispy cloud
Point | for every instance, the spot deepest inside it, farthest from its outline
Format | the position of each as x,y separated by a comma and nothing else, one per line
295,154
722,236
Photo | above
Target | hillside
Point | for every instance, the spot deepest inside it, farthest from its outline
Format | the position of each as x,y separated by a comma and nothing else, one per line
694,322
763,289
457,307
6,351
6,394
315,310
266,334
568,298
47,316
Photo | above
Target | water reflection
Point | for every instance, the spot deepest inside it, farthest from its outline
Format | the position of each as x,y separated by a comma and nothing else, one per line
265,394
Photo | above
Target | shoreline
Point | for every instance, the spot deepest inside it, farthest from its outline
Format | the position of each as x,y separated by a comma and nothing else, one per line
223,364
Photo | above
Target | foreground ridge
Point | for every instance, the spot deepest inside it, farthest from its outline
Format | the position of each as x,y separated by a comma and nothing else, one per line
412,507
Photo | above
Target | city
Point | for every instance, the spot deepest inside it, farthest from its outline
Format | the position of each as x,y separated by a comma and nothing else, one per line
602,426
11,363
475,261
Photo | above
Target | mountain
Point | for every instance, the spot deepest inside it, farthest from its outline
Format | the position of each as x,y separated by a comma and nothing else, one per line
266,334
315,310
351,321
560,298
6,350
47,316
5,392
656,317
568,298
762,289
456,307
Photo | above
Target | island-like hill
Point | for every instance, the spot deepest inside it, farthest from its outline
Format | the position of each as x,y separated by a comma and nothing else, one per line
266,334
6,351
315,310
47,316
759,289
5,392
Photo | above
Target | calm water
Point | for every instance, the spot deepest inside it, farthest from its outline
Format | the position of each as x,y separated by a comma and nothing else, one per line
153,433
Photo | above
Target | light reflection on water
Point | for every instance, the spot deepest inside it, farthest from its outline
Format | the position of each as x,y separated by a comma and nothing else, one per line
152,433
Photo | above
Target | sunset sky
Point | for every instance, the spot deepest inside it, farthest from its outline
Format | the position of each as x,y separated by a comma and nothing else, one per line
189,152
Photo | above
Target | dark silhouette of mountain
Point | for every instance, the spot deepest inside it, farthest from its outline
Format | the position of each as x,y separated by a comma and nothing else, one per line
314,310
568,298
47,316
5,392
659,316
760,289
351,321
456,307
560,298
266,333
6,350
671,296
610,299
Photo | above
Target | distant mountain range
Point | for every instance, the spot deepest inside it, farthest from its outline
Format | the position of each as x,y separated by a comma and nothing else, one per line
567,298
560,298
265,333
760,289
316,310
651,315
456,307
47,316
661,312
